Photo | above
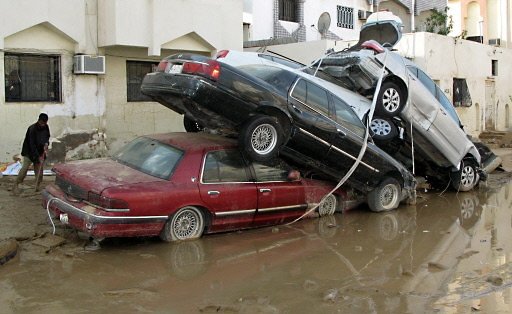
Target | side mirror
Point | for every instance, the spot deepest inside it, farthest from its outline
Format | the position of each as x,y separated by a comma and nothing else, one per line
294,175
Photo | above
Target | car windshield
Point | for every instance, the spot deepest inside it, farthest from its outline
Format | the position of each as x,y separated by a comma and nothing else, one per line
149,156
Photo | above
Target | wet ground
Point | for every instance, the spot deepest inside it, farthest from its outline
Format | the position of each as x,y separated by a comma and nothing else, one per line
450,253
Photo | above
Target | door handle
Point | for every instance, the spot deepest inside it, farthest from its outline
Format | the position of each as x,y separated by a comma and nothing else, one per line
341,133
296,109
265,190
213,192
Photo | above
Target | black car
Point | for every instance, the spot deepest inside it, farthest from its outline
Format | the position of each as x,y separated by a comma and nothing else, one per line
278,110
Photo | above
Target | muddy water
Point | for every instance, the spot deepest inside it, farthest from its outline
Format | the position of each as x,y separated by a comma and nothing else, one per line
450,253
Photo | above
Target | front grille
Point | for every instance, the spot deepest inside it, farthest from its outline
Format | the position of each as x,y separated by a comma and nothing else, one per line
71,189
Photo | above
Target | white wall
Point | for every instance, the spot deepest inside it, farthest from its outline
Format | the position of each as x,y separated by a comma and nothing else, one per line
262,26
154,23
313,9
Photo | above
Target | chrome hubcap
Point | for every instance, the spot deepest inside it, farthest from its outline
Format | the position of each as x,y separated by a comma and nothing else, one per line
186,224
264,139
328,206
467,176
391,100
389,196
380,127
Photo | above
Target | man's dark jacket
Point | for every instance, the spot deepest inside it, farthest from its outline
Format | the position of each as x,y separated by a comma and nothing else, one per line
35,139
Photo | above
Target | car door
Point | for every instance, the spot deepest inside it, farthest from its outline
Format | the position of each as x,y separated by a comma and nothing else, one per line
279,199
423,107
446,133
308,104
227,190
347,143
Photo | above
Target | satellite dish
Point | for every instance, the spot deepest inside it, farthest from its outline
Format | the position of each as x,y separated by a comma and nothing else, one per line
324,22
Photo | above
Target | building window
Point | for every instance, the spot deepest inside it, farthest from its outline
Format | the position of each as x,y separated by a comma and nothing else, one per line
461,96
494,67
32,78
345,17
135,72
288,10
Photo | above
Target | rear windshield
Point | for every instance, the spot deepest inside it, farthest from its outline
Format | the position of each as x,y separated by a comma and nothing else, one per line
279,78
149,156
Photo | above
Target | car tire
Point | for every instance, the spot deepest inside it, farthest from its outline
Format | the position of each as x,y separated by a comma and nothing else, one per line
328,206
386,196
383,129
391,100
466,178
187,223
192,126
261,138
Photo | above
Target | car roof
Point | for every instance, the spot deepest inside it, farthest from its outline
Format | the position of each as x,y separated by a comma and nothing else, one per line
194,141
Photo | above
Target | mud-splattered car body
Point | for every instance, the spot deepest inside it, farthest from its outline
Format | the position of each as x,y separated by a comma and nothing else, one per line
178,186
284,111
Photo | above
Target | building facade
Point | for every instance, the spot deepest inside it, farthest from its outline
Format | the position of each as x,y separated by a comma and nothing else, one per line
488,22
40,40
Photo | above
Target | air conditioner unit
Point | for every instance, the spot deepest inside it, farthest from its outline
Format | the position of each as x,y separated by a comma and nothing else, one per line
87,64
495,42
363,15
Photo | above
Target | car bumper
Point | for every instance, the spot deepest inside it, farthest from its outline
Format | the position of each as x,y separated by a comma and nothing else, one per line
96,223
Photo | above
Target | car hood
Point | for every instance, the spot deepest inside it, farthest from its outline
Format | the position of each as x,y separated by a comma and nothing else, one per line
99,174
382,27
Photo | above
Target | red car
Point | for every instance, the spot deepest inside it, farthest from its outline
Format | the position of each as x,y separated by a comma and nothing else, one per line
179,186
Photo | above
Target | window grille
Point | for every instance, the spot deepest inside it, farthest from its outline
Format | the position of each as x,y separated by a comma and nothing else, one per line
288,10
345,17
32,78
135,72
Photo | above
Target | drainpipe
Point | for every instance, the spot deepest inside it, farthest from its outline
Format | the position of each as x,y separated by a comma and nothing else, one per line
413,28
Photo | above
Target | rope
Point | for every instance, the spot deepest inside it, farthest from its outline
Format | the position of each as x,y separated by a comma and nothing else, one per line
363,148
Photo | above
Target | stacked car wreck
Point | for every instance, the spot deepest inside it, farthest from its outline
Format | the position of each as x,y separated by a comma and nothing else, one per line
409,101
365,119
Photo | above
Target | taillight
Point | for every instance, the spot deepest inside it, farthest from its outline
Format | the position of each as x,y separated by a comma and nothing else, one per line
106,202
373,45
162,66
210,69
222,54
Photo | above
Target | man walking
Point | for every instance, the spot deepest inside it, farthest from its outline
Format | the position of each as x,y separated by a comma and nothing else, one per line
35,147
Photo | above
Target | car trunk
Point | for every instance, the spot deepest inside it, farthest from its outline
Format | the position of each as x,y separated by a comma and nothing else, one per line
385,32
79,177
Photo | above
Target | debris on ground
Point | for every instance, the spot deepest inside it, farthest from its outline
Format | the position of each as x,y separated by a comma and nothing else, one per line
8,250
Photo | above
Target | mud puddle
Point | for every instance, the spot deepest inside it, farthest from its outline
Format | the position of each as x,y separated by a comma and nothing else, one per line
449,253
